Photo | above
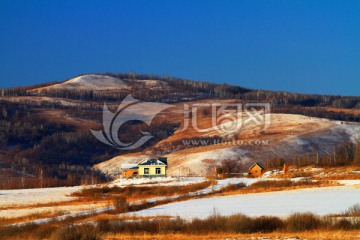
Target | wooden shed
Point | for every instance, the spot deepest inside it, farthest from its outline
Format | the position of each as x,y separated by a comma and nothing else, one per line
256,170
129,170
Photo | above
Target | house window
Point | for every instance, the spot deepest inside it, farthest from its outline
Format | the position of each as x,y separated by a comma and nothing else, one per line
158,170
146,170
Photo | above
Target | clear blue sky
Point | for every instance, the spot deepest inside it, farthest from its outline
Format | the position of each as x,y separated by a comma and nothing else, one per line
301,46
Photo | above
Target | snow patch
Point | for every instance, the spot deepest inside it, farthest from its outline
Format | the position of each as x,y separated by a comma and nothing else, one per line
23,197
316,200
89,82
349,182
158,181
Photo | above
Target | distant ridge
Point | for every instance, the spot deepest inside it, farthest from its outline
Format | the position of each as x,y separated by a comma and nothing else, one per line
87,82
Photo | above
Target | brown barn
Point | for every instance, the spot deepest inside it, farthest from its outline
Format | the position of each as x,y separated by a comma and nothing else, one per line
129,170
256,170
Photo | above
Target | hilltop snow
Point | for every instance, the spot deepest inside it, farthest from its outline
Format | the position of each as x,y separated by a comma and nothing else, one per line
89,82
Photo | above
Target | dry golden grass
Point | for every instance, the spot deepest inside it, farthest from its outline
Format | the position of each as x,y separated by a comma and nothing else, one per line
299,225
272,186
35,231
322,173
294,175
28,214
324,235
339,173
74,202
339,177
111,216
31,217
133,193
346,110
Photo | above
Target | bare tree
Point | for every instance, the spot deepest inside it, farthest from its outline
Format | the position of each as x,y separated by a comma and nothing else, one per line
357,153
230,166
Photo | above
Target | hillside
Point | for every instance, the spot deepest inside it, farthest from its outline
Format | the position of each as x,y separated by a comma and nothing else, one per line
101,87
45,129
289,137
86,82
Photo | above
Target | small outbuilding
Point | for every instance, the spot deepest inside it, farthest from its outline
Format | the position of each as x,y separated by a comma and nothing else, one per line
129,170
256,170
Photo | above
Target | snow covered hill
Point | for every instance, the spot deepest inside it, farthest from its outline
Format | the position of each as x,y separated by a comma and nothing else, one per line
88,82
288,136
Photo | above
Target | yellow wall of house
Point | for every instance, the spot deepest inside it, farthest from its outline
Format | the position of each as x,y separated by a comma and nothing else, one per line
152,170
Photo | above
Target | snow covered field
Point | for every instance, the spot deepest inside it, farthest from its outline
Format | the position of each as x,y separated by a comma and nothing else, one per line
317,200
158,181
23,197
